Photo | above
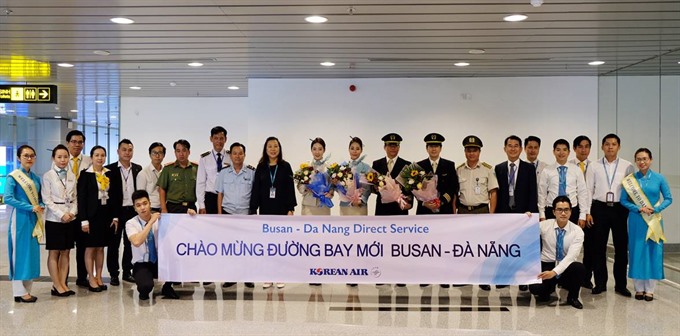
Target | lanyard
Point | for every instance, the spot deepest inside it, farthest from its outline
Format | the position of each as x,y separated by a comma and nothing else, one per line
610,181
145,258
272,177
125,177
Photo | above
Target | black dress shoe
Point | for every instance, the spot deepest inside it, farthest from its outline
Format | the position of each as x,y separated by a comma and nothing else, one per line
485,287
574,302
104,287
250,284
207,283
114,281
169,293
424,285
445,285
70,292
598,290
94,289
228,284
401,285
649,297
55,292
587,284
543,298
352,284
501,286
82,283
623,292
315,284
523,288
639,296
128,278
29,300
143,297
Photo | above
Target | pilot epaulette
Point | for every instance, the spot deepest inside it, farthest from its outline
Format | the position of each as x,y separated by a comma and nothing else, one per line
487,165
460,165
205,154
250,167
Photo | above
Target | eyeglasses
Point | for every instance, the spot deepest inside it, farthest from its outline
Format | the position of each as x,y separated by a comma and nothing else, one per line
156,153
77,142
28,157
563,210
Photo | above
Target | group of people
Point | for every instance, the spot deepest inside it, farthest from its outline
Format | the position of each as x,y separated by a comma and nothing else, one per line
88,205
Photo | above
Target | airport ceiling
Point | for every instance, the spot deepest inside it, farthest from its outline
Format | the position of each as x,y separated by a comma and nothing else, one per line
238,40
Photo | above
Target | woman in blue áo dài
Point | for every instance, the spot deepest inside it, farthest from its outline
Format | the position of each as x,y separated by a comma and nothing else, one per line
22,192
641,195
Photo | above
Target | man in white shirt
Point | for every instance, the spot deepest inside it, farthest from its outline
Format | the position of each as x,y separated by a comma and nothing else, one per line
604,178
148,177
561,242
563,179
75,142
142,231
210,164
532,146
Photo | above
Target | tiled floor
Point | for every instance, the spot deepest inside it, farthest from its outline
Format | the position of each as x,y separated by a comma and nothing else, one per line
331,310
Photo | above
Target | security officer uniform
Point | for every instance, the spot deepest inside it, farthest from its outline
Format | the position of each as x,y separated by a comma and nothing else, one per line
236,189
475,183
210,164
382,166
447,179
180,186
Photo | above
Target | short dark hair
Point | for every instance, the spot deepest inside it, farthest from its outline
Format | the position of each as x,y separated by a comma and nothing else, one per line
560,142
237,144
95,148
73,133
643,150
581,138
559,199
217,130
358,141
611,136
57,148
513,137
137,194
21,149
182,142
532,138
154,145
125,141
317,141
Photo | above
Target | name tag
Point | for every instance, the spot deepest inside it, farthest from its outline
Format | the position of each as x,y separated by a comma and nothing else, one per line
272,192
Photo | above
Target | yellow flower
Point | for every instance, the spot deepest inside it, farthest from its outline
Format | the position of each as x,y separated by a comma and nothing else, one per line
419,186
370,177
414,173
334,164
304,165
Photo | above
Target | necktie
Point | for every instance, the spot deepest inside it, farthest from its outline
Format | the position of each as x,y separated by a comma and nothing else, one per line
390,165
582,165
75,167
511,185
434,167
563,180
151,244
219,162
559,253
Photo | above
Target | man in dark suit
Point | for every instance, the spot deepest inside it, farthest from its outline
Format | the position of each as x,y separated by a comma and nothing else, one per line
517,187
517,193
390,165
123,184
447,178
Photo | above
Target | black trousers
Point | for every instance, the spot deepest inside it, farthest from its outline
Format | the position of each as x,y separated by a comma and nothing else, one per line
606,218
113,253
145,273
180,207
575,211
570,280
79,236
211,203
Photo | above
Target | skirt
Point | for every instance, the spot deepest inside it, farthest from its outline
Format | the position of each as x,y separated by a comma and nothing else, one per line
59,236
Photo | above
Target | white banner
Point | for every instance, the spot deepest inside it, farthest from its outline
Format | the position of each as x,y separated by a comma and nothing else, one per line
448,249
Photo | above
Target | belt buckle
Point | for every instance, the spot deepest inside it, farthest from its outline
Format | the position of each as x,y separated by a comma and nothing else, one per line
185,203
470,208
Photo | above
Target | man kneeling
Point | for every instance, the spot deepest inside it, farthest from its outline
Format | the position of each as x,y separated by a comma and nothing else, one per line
561,242
142,230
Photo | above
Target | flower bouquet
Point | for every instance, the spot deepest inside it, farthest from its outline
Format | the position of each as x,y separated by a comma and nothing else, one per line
304,174
341,175
319,186
389,189
422,185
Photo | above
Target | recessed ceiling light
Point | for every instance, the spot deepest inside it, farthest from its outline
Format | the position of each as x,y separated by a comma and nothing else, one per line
596,63
678,62
173,84
57,117
102,52
93,121
113,117
327,64
316,19
233,87
195,64
461,64
122,20
99,101
74,111
135,88
65,65
476,51
515,18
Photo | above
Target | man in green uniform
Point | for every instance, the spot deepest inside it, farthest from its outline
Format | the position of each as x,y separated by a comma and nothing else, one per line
478,183
177,182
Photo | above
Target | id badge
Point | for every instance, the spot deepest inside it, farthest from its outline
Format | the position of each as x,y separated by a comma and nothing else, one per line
610,199
272,192
478,190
